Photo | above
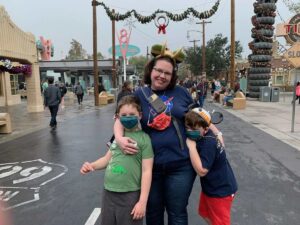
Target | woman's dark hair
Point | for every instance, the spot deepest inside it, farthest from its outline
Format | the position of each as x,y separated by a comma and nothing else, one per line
126,86
152,63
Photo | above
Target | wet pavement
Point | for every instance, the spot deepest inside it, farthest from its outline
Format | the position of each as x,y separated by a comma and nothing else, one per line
267,169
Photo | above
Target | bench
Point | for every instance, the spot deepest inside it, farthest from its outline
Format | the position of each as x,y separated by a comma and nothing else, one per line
105,98
239,101
5,123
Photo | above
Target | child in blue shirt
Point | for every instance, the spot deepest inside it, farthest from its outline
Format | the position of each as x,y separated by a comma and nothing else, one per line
209,160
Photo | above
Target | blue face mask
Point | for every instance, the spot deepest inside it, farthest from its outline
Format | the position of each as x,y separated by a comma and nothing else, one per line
193,134
129,122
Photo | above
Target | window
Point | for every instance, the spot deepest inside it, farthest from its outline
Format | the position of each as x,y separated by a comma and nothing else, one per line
14,83
279,79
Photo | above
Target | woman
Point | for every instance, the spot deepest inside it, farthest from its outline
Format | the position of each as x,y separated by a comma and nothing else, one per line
126,90
173,174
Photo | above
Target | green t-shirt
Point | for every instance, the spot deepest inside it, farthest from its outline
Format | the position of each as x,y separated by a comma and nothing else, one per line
124,172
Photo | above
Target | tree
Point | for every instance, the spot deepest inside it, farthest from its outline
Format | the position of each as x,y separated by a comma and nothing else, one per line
217,53
76,51
99,56
293,7
139,62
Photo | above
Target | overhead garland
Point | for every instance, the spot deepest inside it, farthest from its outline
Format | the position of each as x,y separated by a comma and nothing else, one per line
174,17
7,66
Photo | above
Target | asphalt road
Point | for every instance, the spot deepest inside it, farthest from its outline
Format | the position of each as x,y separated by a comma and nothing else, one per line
40,179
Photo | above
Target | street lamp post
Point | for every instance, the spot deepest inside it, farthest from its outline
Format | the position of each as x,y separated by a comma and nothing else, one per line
232,45
203,22
96,82
113,52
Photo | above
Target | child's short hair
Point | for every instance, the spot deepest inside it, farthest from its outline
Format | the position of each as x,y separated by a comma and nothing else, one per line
193,120
129,100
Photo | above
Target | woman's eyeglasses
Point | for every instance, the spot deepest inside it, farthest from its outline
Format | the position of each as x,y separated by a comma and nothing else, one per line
160,71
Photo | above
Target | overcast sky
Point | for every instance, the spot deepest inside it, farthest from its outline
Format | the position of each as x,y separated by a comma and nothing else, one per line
64,20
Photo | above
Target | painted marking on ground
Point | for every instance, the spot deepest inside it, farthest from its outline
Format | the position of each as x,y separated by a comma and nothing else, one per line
93,217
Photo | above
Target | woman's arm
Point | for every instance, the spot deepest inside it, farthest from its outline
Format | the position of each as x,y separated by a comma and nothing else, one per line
127,144
139,209
195,158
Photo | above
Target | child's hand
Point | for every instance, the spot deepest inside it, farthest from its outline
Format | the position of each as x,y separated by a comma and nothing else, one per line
191,144
86,167
139,210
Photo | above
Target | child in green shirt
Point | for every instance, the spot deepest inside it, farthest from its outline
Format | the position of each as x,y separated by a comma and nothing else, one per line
127,178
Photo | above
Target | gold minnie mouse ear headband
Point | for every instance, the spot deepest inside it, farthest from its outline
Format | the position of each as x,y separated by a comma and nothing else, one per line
161,50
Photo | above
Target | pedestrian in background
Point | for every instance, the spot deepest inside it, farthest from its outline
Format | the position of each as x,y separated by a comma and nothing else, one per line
52,98
298,91
208,157
126,90
101,88
63,91
127,178
202,91
194,94
44,86
79,93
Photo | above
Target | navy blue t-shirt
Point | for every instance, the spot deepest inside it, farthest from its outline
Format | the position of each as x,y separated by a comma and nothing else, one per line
220,180
166,144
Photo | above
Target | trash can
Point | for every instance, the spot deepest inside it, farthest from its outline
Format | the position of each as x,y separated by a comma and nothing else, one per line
265,94
275,94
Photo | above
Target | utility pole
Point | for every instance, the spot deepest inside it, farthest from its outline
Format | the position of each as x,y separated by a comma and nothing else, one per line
203,22
96,82
232,45
147,56
113,52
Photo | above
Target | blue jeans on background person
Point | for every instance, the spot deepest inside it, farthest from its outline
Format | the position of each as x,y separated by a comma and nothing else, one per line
201,100
227,99
53,110
170,190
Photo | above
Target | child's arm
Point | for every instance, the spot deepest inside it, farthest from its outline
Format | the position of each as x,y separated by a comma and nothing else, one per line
139,209
218,133
99,164
195,158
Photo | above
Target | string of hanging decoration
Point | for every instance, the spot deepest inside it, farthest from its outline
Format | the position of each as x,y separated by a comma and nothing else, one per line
174,17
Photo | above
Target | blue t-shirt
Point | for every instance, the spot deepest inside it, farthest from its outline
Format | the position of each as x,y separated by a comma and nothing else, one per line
166,144
220,180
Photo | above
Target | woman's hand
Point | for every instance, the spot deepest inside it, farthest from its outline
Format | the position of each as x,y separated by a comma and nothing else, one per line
127,145
86,168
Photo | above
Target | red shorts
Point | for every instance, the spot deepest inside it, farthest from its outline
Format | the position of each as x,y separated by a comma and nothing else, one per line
217,210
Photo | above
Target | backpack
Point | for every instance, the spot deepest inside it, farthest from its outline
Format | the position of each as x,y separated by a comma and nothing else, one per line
78,90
